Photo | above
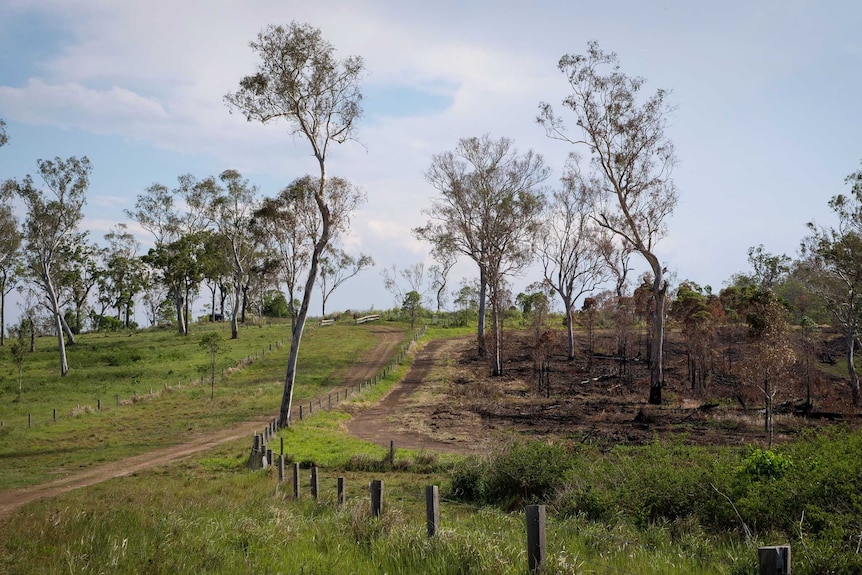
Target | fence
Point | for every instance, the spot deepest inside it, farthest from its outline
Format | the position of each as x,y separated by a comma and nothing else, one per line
771,560
153,393
343,394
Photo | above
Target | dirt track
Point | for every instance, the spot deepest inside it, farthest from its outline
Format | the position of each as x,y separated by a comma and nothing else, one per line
413,421
388,340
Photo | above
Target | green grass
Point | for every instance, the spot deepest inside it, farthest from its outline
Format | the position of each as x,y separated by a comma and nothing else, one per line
209,514
169,365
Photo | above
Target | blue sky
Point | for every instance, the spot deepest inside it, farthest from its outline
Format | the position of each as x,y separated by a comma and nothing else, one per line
766,128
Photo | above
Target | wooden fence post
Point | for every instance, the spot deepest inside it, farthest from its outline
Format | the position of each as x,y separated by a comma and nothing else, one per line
99,404
296,480
281,468
55,414
774,560
300,413
281,440
255,448
432,509
536,544
315,483
340,498
376,497
391,452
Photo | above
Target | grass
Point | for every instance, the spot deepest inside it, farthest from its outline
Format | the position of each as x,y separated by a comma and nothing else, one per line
212,515
168,364
209,514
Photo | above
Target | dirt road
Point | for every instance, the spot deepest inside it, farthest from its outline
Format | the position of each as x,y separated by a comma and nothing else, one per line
384,350
413,418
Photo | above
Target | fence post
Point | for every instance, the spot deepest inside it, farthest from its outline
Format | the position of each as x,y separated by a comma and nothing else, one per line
55,414
774,560
281,468
432,509
315,484
300,413
391,452
536,537
99,404
376,497
296,480
269,457
255,447
340,498
281,440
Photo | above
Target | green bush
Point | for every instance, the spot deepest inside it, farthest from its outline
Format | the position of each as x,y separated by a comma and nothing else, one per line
520,473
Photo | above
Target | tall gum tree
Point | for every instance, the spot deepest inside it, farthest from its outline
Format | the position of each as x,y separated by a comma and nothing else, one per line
569,250
632,161
286,226
230,208
832,260
299,80
53,214
176,219
488,210
10,256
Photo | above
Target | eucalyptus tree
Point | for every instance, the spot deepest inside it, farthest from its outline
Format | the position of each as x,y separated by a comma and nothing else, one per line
488,210
82,271
176,219
286,226
10,256
336,267
439,271
833,259
53,215
412,279
632,160
569,249
124,276
10,246
231,205
300,81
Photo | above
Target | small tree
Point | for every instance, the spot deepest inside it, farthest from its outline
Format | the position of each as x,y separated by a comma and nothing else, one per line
18,349
213,343
569,248
412,306
772,354
335,269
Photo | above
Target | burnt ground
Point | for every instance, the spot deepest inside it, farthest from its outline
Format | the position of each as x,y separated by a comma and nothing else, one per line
449,401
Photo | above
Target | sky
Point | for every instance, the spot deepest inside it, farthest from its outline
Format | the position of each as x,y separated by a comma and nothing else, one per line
766,125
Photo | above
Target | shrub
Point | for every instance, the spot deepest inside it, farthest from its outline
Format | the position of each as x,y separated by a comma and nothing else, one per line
520,473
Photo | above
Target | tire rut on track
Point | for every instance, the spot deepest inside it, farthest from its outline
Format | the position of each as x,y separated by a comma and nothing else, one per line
372,424
11,500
